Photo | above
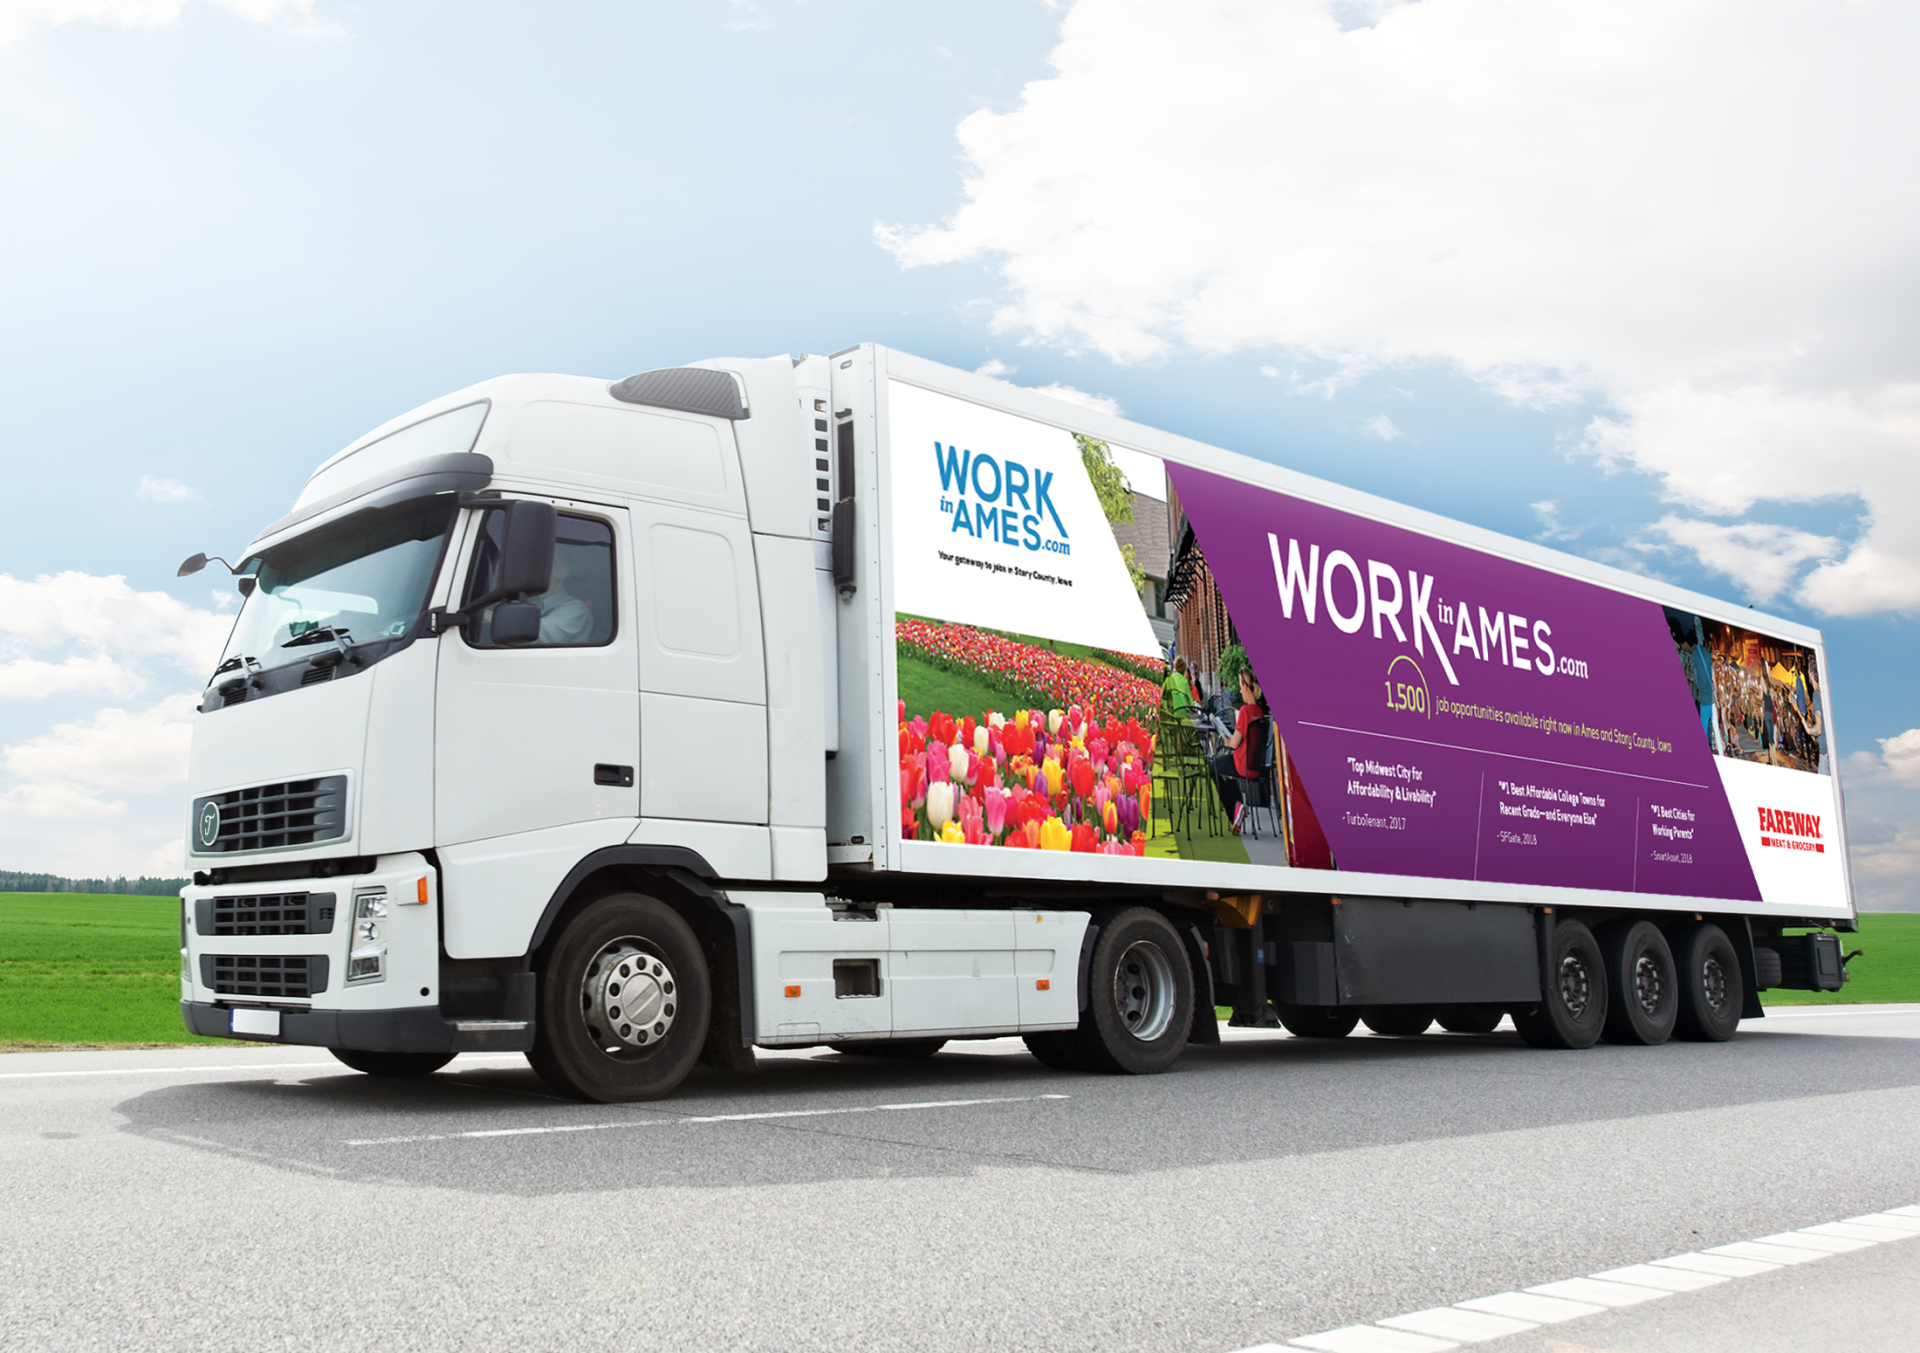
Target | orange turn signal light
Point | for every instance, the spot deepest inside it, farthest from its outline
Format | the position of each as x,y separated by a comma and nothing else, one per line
794,989
1043,985
423,891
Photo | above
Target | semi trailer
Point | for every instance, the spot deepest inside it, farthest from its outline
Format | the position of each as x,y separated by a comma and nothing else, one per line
857,701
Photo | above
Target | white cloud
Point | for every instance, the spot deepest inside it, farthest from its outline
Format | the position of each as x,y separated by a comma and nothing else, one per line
104,616
996,370
1883,823
21,17
1759,557
1382,427
154,489
1700,212
30,678
86,769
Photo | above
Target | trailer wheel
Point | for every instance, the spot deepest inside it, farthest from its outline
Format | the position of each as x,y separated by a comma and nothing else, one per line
1469,1019
623,1002
1573,1008
1710,994
1318,1021
1643,997
892,1047
392,1063
1403,1021
1139,995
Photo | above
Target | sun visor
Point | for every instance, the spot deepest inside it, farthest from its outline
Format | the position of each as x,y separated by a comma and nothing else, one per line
456,472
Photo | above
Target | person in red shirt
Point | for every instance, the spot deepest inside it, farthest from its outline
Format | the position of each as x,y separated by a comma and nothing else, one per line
1247,752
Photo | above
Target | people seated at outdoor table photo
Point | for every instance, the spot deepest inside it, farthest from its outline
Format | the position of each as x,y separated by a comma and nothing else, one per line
1246,747
1176,694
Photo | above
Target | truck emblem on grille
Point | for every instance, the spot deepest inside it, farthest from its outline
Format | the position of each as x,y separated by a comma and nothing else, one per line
209,823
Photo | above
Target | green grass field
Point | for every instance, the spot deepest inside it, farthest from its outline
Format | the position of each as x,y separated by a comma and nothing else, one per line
1888,968
81,968
78,968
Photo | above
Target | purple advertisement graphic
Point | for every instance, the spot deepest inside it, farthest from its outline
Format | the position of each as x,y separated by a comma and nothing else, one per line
1451,713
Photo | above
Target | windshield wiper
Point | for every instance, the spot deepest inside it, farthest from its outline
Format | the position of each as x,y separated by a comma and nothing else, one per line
320,634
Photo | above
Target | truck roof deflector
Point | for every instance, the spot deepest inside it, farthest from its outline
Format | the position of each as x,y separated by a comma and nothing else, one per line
690,389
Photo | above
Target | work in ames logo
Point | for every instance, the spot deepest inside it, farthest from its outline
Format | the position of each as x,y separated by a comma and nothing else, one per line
999,500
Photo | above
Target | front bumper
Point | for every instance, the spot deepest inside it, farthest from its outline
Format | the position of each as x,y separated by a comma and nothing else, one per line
242,954
408,1029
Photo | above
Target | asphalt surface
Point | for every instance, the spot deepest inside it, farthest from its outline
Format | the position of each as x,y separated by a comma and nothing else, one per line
1266,1189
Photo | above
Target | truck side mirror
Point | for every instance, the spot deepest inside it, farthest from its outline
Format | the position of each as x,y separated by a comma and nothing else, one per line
526,554
516,623
191,565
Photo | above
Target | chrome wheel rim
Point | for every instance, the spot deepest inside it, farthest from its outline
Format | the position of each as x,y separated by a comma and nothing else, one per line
1576,985
628,998
1143,990
1649,985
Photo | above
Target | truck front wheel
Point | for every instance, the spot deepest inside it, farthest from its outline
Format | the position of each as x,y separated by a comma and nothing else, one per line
623,1002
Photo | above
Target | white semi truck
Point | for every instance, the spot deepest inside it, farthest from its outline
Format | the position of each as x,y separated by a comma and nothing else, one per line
861,702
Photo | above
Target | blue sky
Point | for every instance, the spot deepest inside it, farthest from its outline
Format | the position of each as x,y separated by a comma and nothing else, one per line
241,233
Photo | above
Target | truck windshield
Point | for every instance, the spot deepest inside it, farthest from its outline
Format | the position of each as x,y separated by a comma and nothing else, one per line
362,577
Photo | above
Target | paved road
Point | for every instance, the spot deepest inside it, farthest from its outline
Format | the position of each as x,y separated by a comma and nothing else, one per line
1267,1189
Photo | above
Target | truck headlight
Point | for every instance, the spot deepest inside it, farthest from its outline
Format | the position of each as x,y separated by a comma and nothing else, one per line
367,960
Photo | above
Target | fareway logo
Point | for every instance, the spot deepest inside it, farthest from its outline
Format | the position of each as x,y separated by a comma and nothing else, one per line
1790,831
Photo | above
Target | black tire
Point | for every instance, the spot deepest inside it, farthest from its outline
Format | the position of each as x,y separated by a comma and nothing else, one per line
1401,1021
1573,1007
1469,1019
586,1044
1139,995
1710,986
1643,988
1318,1021
392,1063
892,1047
1062,1050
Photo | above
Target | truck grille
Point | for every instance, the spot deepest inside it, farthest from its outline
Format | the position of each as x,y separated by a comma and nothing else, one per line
264,977
266,914
272,816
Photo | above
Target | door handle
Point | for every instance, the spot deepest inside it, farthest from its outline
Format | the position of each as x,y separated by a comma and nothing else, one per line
620,776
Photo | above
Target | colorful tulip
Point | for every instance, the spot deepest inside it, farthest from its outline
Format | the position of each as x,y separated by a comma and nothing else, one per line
1054,835
996,801
953,834
1083,837
939,805
957,763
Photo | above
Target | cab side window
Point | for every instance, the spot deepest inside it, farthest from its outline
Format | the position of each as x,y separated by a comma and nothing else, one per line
577,609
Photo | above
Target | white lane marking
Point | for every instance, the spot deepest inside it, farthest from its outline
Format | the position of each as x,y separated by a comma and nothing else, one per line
196,1070
1601,1292
1450,1322
671,1120
1373,1339
1668,1279
1469,1322
1531,1306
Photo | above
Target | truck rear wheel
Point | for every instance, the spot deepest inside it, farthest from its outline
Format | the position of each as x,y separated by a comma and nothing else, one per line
1573,1007
1469,1019
1643,995
1318,1021
623,1002
1404,1021
1710,990
392,1063
1139,995
1062,1050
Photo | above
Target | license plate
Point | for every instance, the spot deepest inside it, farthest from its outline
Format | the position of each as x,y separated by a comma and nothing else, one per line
258,1023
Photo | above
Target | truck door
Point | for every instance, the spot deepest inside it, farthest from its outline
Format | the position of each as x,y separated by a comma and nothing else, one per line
547,733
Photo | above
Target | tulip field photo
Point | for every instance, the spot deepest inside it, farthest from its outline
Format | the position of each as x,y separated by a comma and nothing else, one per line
1006,740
